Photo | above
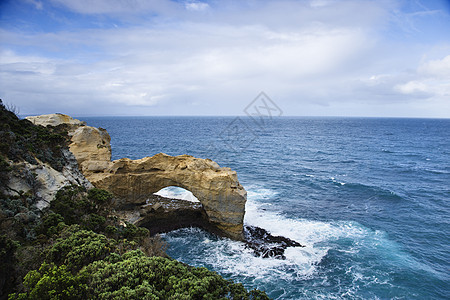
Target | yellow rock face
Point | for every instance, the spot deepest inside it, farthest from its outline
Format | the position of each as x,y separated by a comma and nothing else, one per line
218,189
91,147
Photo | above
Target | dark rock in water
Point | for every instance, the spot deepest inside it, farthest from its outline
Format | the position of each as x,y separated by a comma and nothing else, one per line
266,245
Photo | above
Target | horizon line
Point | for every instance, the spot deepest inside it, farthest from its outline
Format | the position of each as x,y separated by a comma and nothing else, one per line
236,116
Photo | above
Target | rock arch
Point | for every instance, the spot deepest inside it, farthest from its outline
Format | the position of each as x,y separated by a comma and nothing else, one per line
218,189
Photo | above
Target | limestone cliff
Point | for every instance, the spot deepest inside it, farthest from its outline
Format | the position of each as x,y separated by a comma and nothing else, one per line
42,180
134,181
35,162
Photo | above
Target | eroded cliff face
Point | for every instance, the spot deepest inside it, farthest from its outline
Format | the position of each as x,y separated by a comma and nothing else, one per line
134,181
42,180
35,163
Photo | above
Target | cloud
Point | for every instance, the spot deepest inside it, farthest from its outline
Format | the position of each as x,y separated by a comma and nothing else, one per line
146,67
118,6
432,79
37,4
415,88
439,68
196,6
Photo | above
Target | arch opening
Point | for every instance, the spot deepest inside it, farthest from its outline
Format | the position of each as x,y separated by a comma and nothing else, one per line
171,208
176,192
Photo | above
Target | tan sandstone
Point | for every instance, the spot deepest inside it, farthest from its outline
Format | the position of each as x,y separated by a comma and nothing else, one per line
54,120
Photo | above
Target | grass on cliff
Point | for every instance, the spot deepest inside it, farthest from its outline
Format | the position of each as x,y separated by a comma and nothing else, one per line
22,140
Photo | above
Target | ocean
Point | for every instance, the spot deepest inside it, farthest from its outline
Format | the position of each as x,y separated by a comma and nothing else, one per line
368,197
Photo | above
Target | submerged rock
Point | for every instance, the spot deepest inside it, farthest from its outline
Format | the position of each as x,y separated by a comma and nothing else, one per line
265,244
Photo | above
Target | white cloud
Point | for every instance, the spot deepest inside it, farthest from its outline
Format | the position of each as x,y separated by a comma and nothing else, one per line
436,68
413,88
196,6
431,80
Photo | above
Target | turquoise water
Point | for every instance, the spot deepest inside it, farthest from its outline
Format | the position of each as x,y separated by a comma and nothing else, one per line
369,198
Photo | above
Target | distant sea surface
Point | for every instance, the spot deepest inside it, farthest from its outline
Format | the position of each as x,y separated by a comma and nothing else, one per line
368,197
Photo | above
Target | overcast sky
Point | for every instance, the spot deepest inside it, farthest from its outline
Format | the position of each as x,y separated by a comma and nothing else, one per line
161,57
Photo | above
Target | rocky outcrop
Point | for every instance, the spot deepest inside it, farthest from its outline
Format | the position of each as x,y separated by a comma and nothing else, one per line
42,180
92,148
217,189
54,120
266,245
134,181
90,145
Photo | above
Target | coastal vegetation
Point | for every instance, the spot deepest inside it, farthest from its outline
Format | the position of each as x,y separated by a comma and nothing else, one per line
76,248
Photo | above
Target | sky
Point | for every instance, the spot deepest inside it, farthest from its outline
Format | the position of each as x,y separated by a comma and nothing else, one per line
374,58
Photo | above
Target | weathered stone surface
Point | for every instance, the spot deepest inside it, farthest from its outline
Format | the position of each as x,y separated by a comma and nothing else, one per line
91,147
54,120
134,181
43,180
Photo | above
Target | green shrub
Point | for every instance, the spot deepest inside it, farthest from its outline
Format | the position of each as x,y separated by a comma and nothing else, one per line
52,282
7,262
22,140
100,196
132,276
138,276
84,264
72,204
51,224
77,247
131,231
94,222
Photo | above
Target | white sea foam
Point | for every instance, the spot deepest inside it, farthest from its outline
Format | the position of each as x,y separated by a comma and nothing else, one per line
258,193
314,235
338,182
176,192
232,258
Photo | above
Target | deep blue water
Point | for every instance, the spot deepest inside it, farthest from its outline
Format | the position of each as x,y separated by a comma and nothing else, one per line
368,197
